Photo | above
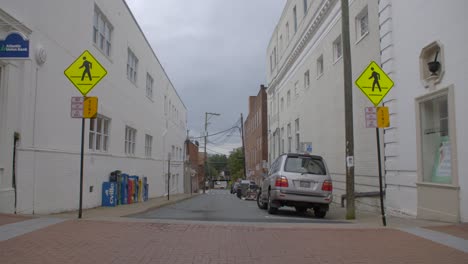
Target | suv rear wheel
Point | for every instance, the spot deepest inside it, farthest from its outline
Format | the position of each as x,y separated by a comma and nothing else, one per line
301,209
271,209
319,212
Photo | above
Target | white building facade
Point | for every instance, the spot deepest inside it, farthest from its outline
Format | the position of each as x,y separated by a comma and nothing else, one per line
305,88
141,118
426,146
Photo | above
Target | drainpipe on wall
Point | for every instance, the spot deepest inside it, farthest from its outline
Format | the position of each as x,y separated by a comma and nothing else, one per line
16,138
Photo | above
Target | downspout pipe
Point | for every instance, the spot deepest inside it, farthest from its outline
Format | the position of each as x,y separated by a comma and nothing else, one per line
16,138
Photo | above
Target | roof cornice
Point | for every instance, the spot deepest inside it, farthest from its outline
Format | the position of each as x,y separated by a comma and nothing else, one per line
312,28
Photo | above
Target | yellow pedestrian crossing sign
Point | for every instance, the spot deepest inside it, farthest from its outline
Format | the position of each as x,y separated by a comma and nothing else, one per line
374,83
85,72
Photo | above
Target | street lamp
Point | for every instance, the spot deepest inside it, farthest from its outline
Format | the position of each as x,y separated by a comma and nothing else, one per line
206,135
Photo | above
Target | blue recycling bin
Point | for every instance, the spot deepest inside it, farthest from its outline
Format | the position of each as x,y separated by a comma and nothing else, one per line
109,194
124,189
135,193
145,192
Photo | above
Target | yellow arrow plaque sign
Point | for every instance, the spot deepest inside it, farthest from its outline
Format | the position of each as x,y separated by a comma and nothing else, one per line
383,117
85,72
90,107
374,83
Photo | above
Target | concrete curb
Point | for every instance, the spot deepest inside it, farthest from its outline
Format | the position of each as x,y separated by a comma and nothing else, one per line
167,203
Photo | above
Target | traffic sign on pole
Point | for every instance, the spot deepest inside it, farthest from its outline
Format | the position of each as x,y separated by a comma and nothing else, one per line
374,83
85,72
371,117
383,117
90,107
84,107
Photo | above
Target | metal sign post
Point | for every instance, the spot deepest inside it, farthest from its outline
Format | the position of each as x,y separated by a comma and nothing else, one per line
84,73
375,84
383,120
382,208
168,174
81,167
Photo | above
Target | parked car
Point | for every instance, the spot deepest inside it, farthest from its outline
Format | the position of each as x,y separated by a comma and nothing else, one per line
234,187
298,180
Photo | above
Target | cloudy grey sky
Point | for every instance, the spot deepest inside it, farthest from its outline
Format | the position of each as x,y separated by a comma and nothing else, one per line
214,52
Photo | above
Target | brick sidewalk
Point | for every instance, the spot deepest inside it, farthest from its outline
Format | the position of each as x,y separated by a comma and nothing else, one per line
78,241
126,209
10,218
458,230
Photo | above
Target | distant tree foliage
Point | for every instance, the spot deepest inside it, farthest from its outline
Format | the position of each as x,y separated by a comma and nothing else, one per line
235,164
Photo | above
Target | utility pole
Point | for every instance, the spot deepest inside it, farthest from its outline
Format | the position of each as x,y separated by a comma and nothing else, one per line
243,146
206,161
348,97
206,155
187,165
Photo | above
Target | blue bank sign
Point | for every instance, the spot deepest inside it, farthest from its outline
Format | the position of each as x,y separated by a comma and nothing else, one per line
14,46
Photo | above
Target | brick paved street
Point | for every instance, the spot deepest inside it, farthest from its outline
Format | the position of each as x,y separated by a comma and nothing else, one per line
88,241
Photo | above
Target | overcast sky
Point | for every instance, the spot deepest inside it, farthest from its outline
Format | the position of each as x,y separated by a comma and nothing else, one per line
214,52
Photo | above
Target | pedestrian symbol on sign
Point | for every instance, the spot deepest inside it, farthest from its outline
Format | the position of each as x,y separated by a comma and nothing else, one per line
87,65
376,77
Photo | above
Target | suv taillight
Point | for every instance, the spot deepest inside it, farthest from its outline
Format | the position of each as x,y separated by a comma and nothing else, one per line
281,182
327,186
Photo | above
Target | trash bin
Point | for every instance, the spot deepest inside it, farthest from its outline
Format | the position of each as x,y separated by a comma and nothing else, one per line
124,189
135,180
109,194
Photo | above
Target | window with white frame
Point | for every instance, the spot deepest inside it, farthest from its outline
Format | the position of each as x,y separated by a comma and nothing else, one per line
282,140
149,86
436,145
296,88
287,31
297,135
274,56
362,24
288,103
102,31
132,65
281,46
295,19
148,145
99,133
273,59
130,140
320,66
282,104
306,79
305,7
289,138
337,49
271,62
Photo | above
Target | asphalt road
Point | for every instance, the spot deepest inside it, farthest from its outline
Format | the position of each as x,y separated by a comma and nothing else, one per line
222,206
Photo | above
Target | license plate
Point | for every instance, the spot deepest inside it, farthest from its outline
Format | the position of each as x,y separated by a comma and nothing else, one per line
304,184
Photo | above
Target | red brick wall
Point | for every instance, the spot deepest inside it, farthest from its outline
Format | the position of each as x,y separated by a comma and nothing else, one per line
255,132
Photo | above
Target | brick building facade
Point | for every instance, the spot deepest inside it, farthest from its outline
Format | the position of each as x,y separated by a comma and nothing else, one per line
256,138
193,171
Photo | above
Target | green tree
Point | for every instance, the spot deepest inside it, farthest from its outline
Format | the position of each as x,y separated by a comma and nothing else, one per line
219,162
235,164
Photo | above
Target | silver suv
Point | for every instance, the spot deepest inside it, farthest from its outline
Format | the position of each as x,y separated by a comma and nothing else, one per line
297,180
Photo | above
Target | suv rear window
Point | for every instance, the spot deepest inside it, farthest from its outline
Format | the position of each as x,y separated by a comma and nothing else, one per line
304,164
